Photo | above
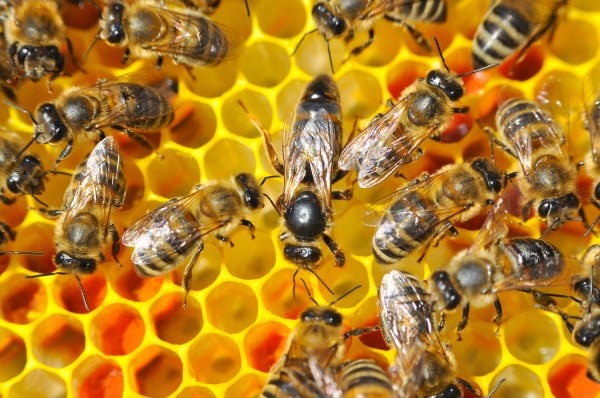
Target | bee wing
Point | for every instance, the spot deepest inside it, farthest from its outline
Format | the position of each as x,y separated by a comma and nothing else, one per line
310,143
383,146
98,181
494,227
591,97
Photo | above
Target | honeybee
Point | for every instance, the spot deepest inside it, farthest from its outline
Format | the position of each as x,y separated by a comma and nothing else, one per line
337,18
166,236
511,25
81,113
536,140
587,287
149,29
423,366
424,110
18,174
292,381
84,228
591,90
34,32
362,378
311,148
492,264
418,214
585,333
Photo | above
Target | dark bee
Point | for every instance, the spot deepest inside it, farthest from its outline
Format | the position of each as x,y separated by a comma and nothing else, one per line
421,212
423,366
591,91
85,227
166,236
149,29
536,140
342,18
512,25
586,287
424,110
34,32
81,113
311,148
492,264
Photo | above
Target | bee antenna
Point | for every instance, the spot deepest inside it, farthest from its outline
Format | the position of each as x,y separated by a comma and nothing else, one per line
345,294
39,201
268,178
14,105
302,39
93,3
26,146
477,70
46,274
308,292
272,203
85,302
330,59
247,8
20,252
495,388
439,50
92,44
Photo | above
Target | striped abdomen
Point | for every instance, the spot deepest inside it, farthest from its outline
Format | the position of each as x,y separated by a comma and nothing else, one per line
422,10
142,108
204,44
503,30
409,223
363,378
533,260
291,382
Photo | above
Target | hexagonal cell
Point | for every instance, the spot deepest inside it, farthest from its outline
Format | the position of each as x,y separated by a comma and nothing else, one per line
205,271
213,359
212,82
264,344
402,75
249,385
231,307
559,92
36,237
196,392
39,383
532,337
220,164
287,99
196,126
360,94
524,68
263,53
250,258
237,120
22,300
479,352
135,184
173,175
13,355
67,292
117,329
275,18
354,274
312,58
99,377
58,340
173,323
128,284
567,43
156,372
568,378
351,234
132,149
384,48
518,382
276,294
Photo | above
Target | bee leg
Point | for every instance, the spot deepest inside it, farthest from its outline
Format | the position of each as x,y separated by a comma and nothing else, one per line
139,138
416,35
248,224
159,62
125,58
6,200
72,56
357,50
534,37
470,388
442,323
464,109
187,273
65,152
294,283
7,231
277,165
83,296
225,239
526,210
498,317
340,259
342,195
116,244
463,322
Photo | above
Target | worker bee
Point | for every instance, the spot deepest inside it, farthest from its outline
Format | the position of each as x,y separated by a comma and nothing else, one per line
166,236
424,110
292,381
311,148
81,113
416,215
34,32
423,366
337,18
591,90
586,287
84,228
492,264
549,177
149,29
511,25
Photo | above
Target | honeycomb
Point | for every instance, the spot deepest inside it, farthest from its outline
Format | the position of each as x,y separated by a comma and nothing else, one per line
137,340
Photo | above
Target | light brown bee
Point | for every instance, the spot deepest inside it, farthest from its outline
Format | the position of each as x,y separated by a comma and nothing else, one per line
423,366
510,26
82,113
35,31
342,18
591,91
166,236
549,177
421,212
149,30
494,263
361,378
424,110
84,228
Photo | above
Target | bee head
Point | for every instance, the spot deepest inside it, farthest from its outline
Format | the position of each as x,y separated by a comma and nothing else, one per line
37,61
552,206
304,256
322,314
587,331
327,22
305,218
494,180
73,264
113,30
49,127
446,82
251,192
21,180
